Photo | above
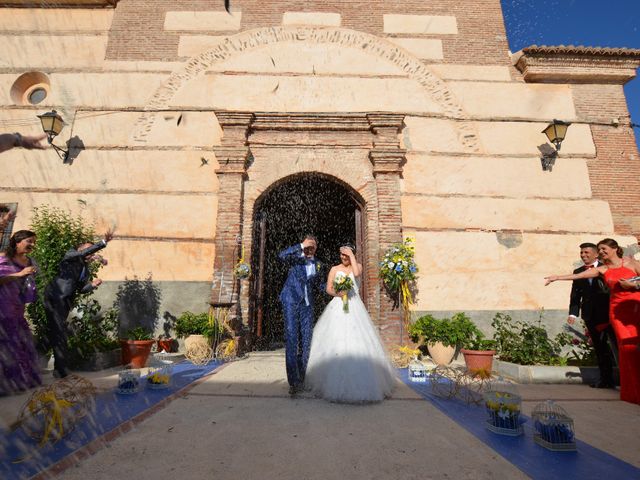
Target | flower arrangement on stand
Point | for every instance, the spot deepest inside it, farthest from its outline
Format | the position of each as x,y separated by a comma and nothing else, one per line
398,271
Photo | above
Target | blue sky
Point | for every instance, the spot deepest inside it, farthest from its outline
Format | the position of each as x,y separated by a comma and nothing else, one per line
602,23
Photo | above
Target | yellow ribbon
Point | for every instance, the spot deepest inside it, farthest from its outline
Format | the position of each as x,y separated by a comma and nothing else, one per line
54,415
406,300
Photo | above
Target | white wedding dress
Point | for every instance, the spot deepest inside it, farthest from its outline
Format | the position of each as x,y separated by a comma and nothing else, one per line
348,363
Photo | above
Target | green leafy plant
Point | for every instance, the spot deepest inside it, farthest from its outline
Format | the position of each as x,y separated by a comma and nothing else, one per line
479,342
56,231
189,323
582,351
459,330
527,343
138,303
138,333
91,330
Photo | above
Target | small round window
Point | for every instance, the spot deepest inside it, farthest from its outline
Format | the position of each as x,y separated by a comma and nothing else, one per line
30,88
37,95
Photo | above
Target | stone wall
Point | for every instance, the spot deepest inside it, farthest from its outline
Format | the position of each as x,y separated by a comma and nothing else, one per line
146,90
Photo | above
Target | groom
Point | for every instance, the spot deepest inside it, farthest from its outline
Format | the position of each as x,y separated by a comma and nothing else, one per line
303,281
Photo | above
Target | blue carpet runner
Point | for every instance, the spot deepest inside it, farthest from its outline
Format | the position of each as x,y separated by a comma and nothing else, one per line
112,410
539,463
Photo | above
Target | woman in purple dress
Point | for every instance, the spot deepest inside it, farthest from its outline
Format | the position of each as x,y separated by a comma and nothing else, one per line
18,358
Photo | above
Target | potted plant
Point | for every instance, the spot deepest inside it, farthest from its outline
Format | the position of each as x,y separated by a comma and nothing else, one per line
93,343
165,341
478,354
136,347
196,328
442,336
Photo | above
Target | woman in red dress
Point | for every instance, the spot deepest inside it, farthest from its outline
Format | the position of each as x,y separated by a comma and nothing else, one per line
624,311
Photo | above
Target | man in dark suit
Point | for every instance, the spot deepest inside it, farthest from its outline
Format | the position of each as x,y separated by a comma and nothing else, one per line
303,280
590,301
72,278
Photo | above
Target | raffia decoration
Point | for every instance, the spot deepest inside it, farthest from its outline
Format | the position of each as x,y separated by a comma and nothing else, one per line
52,412
401,356
199,353
227,349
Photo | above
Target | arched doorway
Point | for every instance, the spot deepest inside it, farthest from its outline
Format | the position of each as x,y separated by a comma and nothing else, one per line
307,203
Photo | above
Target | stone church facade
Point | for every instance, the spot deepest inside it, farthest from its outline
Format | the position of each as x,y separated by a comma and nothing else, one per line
183,119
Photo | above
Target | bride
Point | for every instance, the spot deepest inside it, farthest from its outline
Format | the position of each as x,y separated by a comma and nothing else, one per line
347,363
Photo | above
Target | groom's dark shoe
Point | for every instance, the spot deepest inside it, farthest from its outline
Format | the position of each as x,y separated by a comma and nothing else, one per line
602,384
292,390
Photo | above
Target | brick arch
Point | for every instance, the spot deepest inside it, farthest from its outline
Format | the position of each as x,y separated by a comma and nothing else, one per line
365,195
251,39
365,191
261,149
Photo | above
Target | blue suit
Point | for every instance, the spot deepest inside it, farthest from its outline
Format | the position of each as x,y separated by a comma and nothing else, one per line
297,305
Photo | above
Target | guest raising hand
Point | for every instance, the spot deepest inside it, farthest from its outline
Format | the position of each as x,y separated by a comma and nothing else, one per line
624,310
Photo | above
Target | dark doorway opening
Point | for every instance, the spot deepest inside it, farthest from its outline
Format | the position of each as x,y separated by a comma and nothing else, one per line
302,204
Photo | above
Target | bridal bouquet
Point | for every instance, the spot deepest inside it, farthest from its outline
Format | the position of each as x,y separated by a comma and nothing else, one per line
342,284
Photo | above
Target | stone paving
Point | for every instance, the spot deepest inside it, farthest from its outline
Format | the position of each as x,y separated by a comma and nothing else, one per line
240,423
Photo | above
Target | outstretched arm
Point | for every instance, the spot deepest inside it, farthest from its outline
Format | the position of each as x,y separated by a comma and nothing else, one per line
590,273
108,236
14,140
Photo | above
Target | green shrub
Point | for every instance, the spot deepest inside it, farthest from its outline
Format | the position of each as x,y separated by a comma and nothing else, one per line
189,323
91,330
459,330
56,231
138,303
527,343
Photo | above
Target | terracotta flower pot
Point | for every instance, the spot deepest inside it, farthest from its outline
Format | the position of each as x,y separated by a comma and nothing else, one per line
478,360
136,352
165,344
441,354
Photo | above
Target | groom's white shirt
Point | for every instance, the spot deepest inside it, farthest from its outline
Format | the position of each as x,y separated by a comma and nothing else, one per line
310,266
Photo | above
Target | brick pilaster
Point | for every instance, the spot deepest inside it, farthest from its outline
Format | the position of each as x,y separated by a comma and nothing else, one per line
232,158
387,159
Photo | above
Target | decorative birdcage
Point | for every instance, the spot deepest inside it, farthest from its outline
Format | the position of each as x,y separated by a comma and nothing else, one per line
160,372
553,427
128,381
503,412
